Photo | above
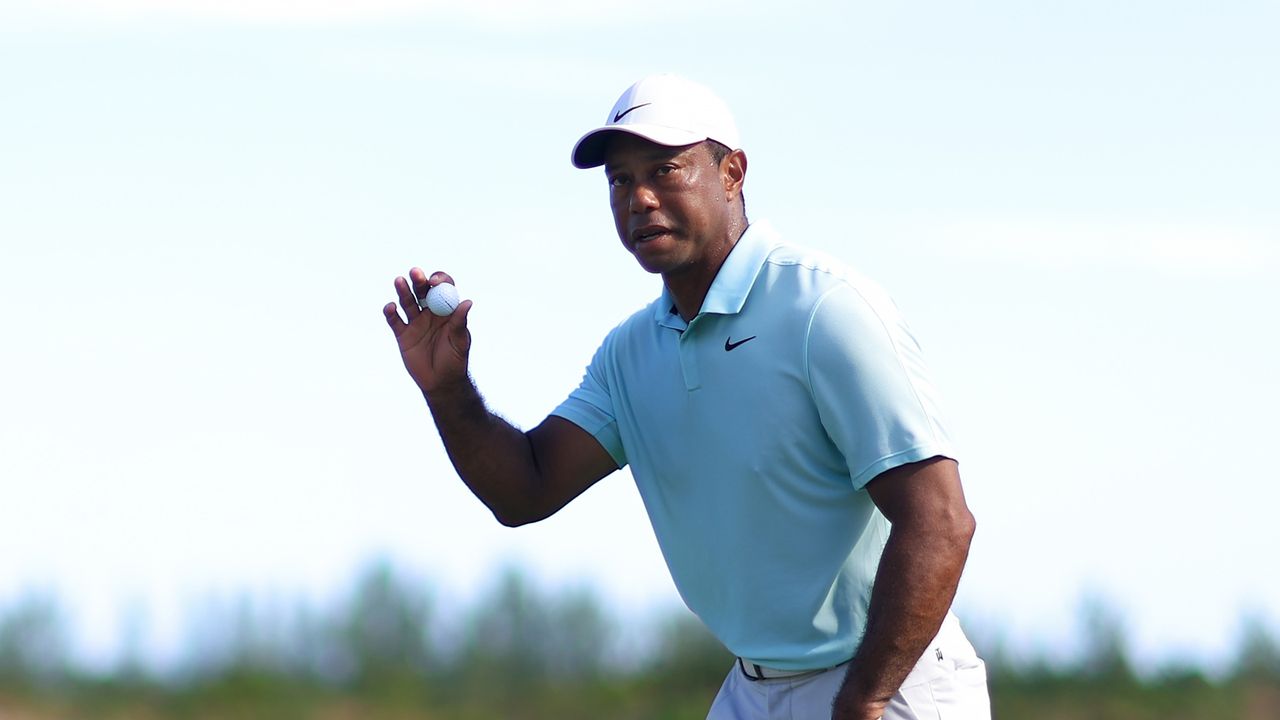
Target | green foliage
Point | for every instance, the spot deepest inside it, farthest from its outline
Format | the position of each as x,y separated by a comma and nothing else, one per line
1105,658
1259,657
521,653
33,643
385,635
688,656
1102,685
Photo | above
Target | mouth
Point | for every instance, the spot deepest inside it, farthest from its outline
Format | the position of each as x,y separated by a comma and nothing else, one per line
647,233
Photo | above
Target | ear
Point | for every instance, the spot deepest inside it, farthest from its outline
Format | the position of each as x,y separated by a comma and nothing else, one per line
733,172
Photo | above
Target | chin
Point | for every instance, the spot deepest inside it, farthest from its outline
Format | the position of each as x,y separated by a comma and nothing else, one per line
657,258
651,266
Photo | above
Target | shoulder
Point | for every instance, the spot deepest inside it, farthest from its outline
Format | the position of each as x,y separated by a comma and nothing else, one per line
823,285
840,313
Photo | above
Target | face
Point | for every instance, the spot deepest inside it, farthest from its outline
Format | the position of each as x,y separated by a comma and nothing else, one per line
673,207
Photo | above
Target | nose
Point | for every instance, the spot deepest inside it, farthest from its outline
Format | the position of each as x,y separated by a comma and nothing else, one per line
642,199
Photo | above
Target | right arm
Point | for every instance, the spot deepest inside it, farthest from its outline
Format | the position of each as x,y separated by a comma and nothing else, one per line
521,477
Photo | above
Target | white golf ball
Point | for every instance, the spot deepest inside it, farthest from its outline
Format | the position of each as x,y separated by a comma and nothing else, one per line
442,299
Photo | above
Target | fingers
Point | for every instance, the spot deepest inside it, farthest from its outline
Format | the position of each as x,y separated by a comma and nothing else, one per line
412,294
458,320
393,319
418,281
436,278
422,283
408,302
459,336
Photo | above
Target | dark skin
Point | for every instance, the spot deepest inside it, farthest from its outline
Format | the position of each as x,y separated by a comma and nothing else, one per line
680,214
676,211
915,583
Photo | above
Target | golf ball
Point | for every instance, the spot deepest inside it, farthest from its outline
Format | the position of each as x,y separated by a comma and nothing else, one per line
442,299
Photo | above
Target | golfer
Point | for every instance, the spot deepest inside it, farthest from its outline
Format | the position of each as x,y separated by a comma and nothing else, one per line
778,420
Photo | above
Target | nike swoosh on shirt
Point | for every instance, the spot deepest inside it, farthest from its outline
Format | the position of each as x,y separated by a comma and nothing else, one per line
731,345
623,114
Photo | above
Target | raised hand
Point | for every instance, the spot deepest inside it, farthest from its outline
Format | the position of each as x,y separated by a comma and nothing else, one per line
434,349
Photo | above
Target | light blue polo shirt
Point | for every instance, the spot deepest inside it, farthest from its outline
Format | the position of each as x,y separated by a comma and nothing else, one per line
751,432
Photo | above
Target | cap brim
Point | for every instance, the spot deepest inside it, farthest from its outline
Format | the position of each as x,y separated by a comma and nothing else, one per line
589,150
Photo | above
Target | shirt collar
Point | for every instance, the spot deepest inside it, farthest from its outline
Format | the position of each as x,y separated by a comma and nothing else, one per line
728,292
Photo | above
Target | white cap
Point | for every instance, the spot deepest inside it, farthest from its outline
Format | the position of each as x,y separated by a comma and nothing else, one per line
665,109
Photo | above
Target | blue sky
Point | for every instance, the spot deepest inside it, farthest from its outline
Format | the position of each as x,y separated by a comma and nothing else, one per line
202,206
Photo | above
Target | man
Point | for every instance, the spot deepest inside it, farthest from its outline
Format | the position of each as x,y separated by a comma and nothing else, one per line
777,419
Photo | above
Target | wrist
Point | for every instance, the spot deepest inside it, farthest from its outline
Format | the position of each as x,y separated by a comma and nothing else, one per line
860,695
450,392
849,705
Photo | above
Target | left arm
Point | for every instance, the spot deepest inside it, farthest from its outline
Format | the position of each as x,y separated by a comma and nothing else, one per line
915,583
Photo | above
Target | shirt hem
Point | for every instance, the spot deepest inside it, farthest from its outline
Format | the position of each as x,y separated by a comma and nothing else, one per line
898,459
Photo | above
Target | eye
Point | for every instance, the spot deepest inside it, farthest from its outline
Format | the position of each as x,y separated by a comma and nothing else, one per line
664,170
617,181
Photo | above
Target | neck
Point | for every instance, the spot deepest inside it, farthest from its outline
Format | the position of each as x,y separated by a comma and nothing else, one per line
689,285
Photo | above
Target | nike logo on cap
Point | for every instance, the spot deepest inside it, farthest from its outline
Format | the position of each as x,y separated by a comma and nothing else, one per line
731,345
623,114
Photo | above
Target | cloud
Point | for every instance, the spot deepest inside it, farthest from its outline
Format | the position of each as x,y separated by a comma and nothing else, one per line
1166,246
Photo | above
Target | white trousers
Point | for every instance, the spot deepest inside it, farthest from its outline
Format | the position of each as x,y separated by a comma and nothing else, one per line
949,682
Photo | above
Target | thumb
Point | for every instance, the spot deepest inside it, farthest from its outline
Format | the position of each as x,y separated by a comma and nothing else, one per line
456,328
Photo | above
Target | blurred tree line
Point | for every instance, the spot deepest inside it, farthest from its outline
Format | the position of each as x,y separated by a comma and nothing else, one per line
388,652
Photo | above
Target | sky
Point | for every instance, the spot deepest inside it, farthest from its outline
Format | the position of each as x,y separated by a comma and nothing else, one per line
203,205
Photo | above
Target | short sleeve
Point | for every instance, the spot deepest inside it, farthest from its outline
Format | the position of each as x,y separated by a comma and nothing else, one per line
591,408
869,382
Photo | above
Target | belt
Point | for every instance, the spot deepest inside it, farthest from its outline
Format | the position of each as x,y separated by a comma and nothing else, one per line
755,672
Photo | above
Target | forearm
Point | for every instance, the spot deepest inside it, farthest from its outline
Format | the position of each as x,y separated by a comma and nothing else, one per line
493,457
914,587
